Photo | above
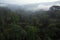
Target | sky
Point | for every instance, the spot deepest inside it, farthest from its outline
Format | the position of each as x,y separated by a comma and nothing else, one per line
21,2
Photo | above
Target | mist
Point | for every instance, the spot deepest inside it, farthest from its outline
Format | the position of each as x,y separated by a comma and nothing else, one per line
29,20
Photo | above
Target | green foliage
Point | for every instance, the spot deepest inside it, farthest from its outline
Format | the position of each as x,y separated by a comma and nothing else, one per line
38,26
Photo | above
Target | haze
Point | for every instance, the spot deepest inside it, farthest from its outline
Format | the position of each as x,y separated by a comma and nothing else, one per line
20,2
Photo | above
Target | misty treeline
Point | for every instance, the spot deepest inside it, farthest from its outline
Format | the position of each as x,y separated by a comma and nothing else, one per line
21,25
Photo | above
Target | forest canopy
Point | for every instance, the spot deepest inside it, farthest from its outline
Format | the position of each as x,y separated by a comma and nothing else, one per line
25,26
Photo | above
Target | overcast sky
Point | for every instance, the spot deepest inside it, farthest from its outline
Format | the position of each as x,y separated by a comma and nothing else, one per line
25,1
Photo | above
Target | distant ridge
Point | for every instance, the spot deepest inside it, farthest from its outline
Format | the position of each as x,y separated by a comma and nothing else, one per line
32,7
